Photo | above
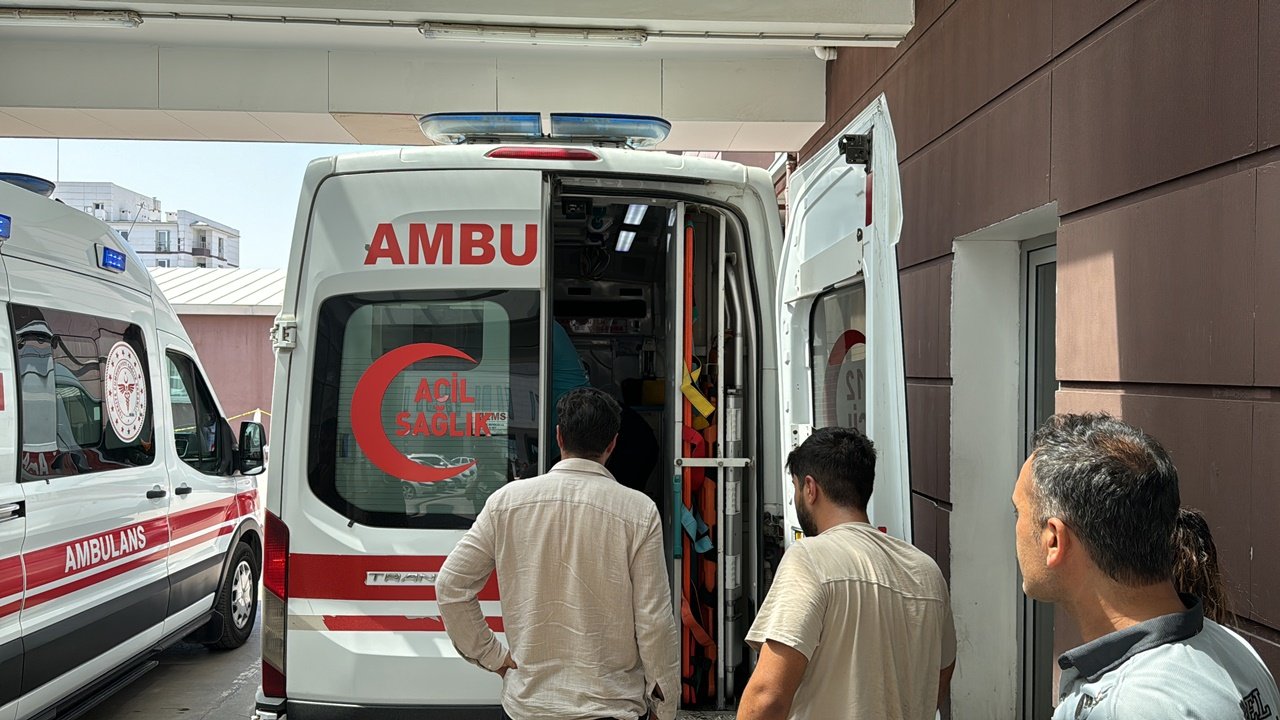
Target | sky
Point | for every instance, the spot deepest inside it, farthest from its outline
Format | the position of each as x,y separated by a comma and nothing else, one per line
252,187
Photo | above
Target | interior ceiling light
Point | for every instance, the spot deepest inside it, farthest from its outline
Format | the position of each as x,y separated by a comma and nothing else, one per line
53,17
635,214
625,238
609,37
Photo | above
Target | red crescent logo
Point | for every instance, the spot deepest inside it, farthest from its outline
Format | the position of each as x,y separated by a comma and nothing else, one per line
842,347
366,413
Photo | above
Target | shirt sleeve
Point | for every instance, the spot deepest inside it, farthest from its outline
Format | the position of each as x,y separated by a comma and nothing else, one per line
657,637
793,611
464,573
948,633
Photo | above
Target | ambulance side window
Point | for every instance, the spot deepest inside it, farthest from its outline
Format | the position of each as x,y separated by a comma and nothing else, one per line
413,423
838,334
195,416
85,393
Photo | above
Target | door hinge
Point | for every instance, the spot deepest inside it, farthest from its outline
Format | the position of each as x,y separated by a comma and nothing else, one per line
284,333
856,149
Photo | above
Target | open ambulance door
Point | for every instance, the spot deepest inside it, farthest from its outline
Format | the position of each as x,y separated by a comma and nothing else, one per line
840,351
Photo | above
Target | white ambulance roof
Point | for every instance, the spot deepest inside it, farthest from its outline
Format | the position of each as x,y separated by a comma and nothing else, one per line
51,233
612,161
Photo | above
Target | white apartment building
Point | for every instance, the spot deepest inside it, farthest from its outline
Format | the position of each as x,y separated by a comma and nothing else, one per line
162,238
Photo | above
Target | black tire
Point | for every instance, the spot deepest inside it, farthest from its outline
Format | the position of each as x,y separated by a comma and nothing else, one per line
237,601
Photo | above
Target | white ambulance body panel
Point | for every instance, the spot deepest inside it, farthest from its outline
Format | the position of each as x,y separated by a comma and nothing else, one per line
840,316
412,352
112,544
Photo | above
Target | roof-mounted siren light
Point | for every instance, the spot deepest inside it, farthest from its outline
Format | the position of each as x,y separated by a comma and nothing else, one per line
639,132
37,185
458,128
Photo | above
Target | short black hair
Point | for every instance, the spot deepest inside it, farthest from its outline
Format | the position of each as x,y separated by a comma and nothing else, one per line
589,421
842,461
1115,486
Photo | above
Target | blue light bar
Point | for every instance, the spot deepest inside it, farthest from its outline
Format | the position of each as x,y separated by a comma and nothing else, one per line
637,131
110,259
455,128
6,225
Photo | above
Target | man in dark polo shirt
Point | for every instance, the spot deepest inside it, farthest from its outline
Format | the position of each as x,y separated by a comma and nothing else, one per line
1096,504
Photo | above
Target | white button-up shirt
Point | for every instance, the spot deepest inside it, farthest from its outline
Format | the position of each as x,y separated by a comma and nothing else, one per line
585,600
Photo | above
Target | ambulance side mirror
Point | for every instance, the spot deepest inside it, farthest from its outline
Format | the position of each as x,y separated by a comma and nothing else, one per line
253,438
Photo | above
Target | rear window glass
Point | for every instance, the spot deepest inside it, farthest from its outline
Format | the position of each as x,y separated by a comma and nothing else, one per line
423,404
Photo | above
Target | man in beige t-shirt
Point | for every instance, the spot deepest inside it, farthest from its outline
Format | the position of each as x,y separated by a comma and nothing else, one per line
857,624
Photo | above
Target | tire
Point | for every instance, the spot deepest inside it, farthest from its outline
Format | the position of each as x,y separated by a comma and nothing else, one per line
237,601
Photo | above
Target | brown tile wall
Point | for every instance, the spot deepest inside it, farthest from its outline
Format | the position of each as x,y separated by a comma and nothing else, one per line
1172,90
1143,120
1158,291
235,353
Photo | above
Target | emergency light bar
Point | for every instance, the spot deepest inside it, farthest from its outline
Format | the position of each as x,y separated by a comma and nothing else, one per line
640,132
457,128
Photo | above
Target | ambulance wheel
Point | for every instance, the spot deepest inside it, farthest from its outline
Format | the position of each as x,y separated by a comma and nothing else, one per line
238,600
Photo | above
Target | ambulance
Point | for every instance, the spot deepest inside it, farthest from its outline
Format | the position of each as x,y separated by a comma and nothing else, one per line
428,297
127,507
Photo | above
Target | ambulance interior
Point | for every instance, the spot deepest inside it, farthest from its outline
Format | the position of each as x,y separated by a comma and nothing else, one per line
646,288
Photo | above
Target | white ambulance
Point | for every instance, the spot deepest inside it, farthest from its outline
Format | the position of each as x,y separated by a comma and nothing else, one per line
126,510
431,294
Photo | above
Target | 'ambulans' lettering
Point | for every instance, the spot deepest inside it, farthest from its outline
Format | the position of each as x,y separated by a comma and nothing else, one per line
104,548
436,244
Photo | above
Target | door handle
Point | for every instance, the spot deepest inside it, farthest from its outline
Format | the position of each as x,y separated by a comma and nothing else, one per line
156,493
183,489
10,511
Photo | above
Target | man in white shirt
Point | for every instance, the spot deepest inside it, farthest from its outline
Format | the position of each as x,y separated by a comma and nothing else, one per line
585,599
857,624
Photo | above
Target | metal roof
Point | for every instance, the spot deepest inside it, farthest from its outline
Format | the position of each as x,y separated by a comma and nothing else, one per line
221,291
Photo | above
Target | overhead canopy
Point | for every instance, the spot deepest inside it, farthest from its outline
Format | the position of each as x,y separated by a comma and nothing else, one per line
728,75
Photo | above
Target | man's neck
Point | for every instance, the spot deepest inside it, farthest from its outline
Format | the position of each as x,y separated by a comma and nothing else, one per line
598,459
836,515
1110,606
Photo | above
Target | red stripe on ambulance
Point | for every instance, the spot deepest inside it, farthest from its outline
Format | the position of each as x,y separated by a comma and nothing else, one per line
369,577
393,623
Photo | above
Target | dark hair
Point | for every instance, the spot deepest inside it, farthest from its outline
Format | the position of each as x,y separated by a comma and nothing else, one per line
1115,486
589,421
1195,565
842,461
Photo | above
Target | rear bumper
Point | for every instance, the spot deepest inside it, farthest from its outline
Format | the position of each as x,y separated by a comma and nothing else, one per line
272,709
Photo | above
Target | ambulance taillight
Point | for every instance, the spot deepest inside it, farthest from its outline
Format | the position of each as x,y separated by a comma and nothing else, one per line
275,578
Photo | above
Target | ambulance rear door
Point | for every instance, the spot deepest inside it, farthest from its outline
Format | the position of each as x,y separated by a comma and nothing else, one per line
840,318
412,396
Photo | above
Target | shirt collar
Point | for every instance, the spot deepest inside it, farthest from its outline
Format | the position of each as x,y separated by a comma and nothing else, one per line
582,465
1095,659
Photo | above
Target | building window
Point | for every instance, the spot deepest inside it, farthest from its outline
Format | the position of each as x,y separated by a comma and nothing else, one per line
221,254
124,234
162,241
85,394
162,263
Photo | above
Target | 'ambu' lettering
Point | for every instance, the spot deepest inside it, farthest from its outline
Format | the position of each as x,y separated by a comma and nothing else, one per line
453,244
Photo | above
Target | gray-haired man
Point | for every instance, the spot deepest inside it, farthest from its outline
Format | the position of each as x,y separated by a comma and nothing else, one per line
1096,505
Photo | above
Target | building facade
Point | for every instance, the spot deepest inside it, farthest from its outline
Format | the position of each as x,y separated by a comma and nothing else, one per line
161,238
1092,222
228,314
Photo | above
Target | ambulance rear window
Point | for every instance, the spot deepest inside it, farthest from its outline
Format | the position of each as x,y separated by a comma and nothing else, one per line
423,403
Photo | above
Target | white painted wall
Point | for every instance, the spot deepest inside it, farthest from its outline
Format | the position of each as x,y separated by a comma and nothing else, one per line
985,457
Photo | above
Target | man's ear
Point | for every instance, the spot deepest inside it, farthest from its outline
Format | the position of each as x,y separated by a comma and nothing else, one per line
1056,542
810,488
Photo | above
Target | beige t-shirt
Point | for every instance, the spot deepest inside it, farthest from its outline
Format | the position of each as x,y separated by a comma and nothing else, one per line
873,616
